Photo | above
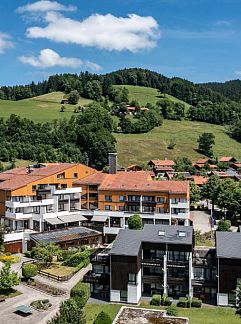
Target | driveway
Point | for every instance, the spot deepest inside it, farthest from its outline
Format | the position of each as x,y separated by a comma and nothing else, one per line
201,220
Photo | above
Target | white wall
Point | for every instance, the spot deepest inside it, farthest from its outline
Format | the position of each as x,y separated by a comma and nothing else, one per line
134,291
222,299
115,295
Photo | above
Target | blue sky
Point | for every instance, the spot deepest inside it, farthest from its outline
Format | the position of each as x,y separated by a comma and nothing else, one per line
199,40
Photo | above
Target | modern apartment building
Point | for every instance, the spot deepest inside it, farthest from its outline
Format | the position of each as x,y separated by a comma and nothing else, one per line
228,253
39,197
158,259
115,197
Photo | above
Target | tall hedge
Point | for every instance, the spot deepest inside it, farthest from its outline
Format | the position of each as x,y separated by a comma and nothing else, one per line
81,293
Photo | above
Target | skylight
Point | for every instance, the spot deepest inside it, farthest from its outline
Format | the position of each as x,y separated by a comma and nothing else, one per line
161,233
182,234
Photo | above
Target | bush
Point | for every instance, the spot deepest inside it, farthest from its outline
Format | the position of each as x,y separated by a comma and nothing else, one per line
172,310
77,258
28,254
81,293
103,318
196,303
29,270
156,300
182,302
163,299
168,301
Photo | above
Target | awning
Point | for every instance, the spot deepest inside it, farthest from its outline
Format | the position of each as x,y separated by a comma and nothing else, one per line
99,218
72,218
54,221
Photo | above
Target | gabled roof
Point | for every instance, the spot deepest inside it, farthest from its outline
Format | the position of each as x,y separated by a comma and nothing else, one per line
199,180
228,245
128,242
227,159
203,161
20,177
162,162
133,181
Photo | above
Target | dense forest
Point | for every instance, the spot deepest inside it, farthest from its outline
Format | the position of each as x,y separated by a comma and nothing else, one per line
86,138
230,89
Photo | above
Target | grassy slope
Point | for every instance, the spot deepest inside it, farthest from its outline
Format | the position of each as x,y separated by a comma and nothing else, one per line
40,109
136,148
144,95
205,315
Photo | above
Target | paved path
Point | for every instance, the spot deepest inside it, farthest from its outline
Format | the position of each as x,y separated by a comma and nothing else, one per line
7,308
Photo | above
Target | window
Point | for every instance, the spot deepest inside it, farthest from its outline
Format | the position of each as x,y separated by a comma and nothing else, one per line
75,175
132,278
134,198
34,188
17,210
121,208
61,175
123,295
61,207
108,207
148,199
122,198
108,198
36,209
161,200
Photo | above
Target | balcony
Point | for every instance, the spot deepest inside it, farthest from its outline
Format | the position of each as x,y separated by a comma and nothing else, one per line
178,263
18,216
179,204
180,215
177,280
99,278
152,262
29,203
111,230
152,278
204,281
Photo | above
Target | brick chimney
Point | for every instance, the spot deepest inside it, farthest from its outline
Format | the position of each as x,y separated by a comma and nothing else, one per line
112,163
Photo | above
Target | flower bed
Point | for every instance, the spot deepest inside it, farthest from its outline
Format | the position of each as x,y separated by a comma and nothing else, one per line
41,304
45,288
133,315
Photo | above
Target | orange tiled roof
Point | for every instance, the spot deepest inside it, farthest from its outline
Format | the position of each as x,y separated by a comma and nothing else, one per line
199,180
93,179
133,181
163,162
226,159
19,177
201,161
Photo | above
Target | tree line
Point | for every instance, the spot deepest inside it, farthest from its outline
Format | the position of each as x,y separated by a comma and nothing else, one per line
86,138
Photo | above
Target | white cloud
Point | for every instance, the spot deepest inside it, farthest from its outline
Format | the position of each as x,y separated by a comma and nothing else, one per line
49,58
224,23
44,6
5,42
108,32
200,34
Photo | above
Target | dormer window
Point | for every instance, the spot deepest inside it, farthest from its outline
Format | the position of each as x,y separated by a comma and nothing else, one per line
161,233
182,234
61,175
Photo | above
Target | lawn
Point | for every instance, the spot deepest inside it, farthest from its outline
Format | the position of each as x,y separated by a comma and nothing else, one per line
137,148
204,315
40,109
57,269
144,95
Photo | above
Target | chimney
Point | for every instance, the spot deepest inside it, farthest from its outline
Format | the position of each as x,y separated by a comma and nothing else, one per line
112,163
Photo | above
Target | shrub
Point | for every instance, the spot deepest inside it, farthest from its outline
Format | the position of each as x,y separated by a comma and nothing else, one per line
81,293
156,300
196,303
29,270
189,302
7,258
103,318
77,258
168,301
172,310
163,299
182,302
28,254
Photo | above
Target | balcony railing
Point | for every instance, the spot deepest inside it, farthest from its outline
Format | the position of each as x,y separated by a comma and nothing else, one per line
101,278
152,262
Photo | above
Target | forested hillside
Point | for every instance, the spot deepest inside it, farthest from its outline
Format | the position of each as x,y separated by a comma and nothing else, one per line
230,89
